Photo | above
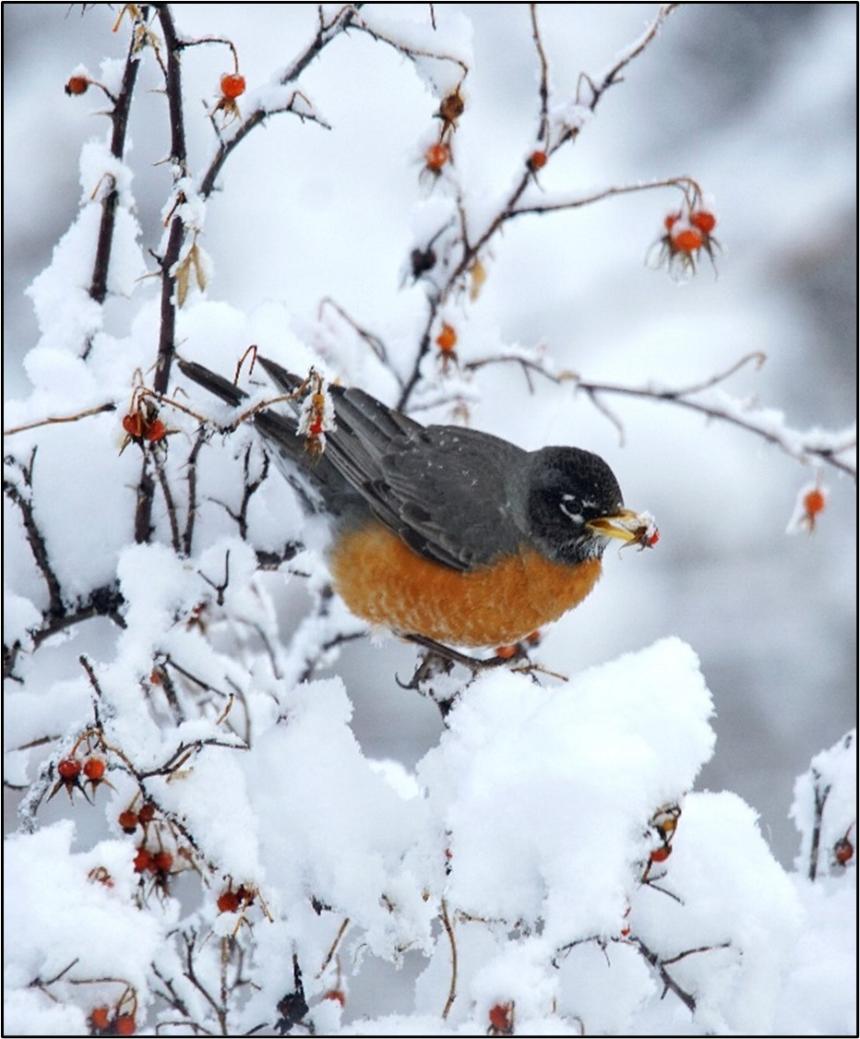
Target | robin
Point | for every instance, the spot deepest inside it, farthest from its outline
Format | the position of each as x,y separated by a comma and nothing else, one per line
440,532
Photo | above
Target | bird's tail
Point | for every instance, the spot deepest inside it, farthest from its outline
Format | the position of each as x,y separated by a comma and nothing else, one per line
318,484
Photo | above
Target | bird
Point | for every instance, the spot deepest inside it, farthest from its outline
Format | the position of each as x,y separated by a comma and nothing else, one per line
441,532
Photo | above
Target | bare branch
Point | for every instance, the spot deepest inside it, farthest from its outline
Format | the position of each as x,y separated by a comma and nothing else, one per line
99,409
119,117
326,32
543,89
452,988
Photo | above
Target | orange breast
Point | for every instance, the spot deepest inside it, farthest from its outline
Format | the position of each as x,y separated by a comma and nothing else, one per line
386,583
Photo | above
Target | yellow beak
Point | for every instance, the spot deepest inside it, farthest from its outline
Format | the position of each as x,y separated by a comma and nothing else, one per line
626,525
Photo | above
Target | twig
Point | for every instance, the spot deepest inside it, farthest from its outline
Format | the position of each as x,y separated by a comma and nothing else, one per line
191,478
408,51
169,503
35,538
97,410
471,250
373,341
333,948
452,989
543,90
692,952
119,117
820,795
176,235
668,981
326,32
686,185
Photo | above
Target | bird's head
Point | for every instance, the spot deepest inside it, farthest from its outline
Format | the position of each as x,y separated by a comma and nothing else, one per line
575,506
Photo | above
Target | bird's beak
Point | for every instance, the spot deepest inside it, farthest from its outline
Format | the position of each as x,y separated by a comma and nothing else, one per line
625,524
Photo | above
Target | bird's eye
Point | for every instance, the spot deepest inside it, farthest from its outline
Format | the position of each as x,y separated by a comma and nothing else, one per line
571,508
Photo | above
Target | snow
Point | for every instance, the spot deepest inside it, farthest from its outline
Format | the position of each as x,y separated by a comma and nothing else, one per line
527,842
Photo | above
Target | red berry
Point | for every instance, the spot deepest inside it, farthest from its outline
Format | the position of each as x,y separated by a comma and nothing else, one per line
142,861
94,769
687,240
162,861
661,854
69,769
155,431
669,220
436,156
447,339
146,813
814,502
336,996
232,85
652,540
133,424
843,851
228,902
537,160
316,427
703,220
501,1018
128,821
506,652
125,1024
625,932
100,1019
77,85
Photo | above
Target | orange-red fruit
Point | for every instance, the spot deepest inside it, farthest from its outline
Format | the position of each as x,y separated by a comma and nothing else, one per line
843,851
336,996
537,160
447,339
625,932
133,424
69,768
155,431
669,220
436,156
661,854
94,769
162,861
653,539
500,1017
147,812
506,652
316,427
703,220
687,240
125,1024
77,85
232,85
228,902
128,821
142,861
813,502
100,1018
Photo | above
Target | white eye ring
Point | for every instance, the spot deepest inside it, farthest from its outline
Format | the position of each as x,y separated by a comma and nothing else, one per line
577,517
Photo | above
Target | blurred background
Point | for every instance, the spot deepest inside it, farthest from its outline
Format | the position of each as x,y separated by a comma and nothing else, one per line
756,101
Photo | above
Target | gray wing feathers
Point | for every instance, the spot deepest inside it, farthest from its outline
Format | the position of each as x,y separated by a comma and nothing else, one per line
442,489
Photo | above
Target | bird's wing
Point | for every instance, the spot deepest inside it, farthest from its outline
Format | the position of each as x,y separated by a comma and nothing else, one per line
442,489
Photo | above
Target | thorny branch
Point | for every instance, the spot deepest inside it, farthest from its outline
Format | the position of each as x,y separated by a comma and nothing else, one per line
470,250
119,117
794,443
326,32
820,795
